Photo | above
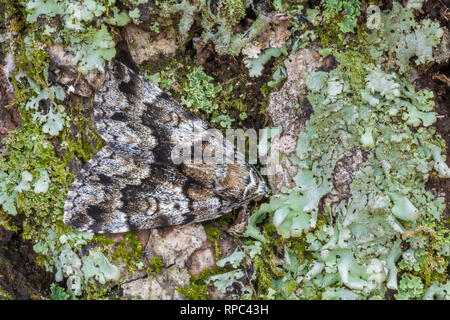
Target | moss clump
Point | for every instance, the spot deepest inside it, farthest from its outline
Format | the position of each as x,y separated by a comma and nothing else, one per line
97,291
352,64
263,274
213,235
5,295
80,140
230,10
197,289
156,264
339,18
199,286
129,252
268,264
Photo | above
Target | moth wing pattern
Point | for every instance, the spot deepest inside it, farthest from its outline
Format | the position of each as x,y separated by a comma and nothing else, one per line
138,119
132,183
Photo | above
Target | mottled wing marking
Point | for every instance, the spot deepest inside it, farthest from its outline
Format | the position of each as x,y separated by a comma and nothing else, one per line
114,193
138,119
132,182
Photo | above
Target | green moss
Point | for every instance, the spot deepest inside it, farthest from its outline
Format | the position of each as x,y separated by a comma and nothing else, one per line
5,295
339,18
353,65
129,252
197,290
156,264
269,228
97,291
199,286
264,275
213,235
268,264
230,10
81,139
425,264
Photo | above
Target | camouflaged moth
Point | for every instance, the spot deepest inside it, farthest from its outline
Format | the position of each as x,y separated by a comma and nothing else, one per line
133,183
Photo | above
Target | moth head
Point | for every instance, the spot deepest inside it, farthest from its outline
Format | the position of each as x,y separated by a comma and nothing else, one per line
242,182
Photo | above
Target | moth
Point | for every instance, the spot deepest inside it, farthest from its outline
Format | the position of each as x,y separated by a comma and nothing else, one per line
133,182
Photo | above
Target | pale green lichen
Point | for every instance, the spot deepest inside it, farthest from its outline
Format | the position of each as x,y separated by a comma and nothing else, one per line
97,266
403,38
438,291
64,254
343,13
92,49
201,92
256,65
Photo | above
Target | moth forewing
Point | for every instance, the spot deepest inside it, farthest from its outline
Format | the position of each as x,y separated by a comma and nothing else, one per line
135,182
